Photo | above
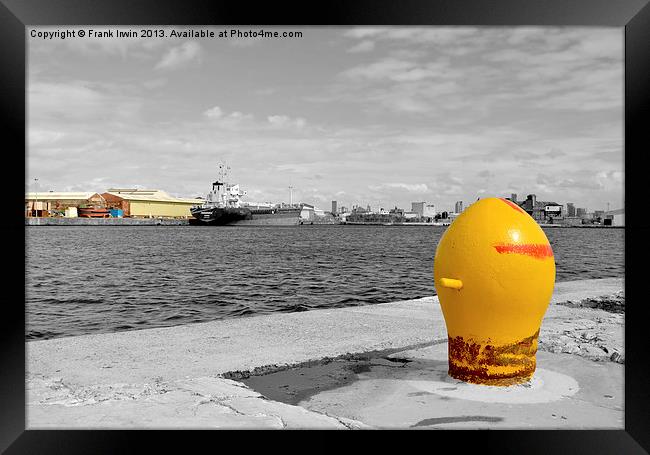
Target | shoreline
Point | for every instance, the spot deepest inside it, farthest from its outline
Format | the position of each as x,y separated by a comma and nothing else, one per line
182,376
55,221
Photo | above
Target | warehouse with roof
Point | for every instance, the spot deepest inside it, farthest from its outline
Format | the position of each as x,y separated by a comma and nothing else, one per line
128,202
142,203
541,211
53,203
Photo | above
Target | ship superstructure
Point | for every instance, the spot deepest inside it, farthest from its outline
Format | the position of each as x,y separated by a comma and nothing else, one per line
223,206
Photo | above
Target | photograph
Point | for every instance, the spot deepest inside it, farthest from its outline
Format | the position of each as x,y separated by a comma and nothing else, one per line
324,227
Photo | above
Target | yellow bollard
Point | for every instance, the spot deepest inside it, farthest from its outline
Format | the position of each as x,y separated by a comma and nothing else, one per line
494,273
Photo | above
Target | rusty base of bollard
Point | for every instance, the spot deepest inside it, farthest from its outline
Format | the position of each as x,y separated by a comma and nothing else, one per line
486,364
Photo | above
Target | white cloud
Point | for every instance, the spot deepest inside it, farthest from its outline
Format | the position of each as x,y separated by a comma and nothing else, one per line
285,121
235,121
614,176
78,101
44,137
410,187
389,68
179,56
420,35
240,116
579,69
155,83
363,46
215,112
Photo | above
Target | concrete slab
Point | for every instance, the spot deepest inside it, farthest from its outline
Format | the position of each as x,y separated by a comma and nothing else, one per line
566,392
581,289
199,403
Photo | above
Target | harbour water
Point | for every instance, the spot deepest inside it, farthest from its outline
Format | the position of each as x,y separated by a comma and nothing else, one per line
95,279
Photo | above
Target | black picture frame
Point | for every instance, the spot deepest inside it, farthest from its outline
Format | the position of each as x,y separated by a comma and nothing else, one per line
633,15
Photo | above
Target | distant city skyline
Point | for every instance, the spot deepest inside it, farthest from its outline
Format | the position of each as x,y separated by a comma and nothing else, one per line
462,205
379,116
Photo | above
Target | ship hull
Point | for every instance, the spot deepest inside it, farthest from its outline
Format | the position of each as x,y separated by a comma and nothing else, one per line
245,217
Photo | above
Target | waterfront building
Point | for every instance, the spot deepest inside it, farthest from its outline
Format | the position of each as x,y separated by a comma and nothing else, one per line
423,209
570,209
542,211
307,212
52,203
614,217
418,207
513,197
141,203
334,212
458,208
581,212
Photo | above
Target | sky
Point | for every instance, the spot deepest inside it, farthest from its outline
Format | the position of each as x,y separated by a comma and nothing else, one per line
378,116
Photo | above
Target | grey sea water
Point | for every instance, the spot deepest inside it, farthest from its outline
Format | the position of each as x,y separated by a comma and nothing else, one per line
87,279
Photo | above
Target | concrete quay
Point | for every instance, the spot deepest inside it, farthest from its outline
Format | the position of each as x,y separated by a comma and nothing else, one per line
60,221
191,376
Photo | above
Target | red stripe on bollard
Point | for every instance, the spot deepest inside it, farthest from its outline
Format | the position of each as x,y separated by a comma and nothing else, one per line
513,205
538,251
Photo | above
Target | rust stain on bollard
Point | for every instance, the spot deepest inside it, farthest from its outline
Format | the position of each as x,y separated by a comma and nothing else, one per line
502,365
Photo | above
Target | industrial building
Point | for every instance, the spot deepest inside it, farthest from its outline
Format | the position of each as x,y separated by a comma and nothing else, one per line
570,209
423,209
50,203
135,203
307,212
141,203
541,211
614,217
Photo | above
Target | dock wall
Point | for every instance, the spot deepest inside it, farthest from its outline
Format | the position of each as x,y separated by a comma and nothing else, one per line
104,222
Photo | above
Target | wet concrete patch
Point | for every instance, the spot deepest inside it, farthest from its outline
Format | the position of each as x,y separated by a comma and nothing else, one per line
295,384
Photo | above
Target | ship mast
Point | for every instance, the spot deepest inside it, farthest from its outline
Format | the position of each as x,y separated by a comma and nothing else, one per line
219,184
220,180
290,195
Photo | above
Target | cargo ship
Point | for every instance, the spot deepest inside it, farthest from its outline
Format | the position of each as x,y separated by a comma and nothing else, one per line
223,207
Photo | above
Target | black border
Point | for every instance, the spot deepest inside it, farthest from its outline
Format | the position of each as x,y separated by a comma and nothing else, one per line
634,15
